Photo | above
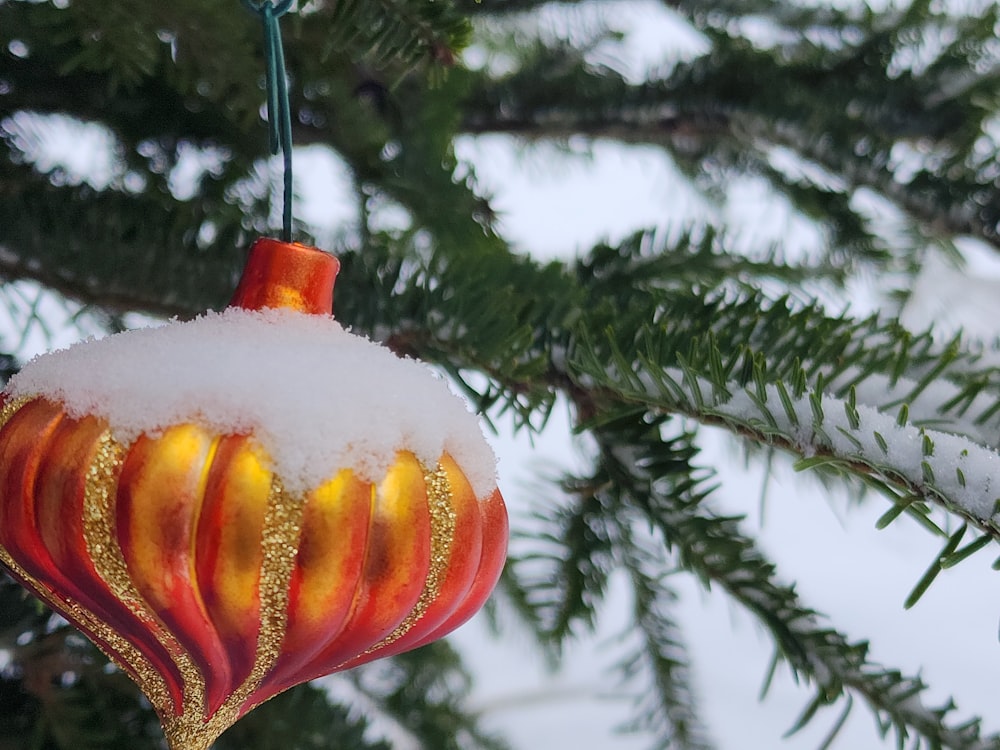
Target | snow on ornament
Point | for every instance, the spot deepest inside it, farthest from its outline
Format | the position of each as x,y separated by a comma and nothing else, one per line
236,504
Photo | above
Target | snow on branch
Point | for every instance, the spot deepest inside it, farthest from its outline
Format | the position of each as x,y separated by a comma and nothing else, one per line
910,462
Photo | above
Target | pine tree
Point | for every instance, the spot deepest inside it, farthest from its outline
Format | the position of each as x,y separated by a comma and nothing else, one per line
846,113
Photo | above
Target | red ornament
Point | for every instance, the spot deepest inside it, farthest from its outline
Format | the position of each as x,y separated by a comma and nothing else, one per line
185,557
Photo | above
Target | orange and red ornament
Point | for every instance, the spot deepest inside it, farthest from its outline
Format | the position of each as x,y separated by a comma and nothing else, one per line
222,542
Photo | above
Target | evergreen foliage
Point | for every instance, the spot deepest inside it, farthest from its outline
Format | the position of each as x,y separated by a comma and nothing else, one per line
647,340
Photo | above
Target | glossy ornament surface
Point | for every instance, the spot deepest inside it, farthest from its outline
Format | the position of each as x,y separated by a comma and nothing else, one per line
184,555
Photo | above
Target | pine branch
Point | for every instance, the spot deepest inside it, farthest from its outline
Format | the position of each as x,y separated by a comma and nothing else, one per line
907,461
704,257
303,718
388,30
506,7
809,22
674,332
669,711
877,401
178,98
713,548
557,578
424,693
133,66
151,255
741,99
562,567
68,698
21,615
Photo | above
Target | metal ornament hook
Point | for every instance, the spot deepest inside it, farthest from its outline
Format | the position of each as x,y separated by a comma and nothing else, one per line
278,9
279,117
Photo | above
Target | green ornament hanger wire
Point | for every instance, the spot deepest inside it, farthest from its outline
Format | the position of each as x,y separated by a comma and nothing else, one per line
279,115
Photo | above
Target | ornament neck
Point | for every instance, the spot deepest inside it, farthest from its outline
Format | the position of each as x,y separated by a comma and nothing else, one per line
287,275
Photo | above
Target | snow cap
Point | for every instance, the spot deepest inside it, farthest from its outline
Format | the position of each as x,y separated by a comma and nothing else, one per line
317,398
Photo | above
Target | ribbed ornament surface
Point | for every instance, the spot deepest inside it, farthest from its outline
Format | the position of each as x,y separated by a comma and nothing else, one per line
183,557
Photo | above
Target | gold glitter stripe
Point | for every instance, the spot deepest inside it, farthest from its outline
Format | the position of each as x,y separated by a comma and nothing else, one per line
443,520
128,657
11,407
109,561
280,545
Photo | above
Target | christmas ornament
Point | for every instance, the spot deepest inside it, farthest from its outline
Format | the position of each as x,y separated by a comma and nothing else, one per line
236,504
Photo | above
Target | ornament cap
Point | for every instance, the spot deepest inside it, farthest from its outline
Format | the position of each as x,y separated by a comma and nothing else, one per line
287,275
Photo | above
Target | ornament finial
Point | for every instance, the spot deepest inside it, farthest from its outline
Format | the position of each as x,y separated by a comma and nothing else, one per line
287,275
